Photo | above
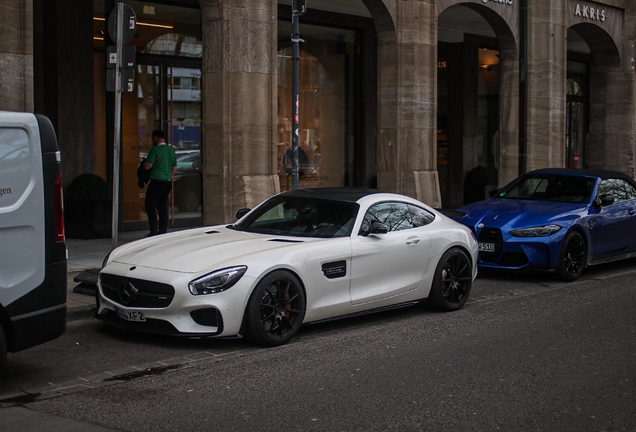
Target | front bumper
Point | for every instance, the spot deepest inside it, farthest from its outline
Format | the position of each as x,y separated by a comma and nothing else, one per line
515,253
166,305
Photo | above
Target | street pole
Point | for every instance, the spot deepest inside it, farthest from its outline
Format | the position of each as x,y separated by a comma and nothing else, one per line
117,138
298,9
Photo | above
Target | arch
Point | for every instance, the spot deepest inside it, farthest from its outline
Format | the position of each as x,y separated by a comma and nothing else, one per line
505,26
383,13
175,44
600,43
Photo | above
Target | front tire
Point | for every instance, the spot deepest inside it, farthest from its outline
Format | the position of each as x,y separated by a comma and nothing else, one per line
276,309
572,257
452,282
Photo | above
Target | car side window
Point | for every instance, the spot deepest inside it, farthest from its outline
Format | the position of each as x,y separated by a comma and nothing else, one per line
420,217
395,215
618,188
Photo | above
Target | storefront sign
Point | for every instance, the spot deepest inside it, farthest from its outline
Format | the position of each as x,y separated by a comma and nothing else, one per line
508,2
589,12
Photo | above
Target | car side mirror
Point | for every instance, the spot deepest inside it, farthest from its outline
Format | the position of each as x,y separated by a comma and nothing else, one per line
242,212
606,200
378,228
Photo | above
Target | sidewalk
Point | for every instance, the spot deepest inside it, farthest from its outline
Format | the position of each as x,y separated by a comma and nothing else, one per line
85,255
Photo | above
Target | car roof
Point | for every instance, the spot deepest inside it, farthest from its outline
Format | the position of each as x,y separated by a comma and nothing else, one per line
602,174
350,194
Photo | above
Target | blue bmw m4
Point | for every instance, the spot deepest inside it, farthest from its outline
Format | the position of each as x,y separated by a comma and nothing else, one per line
556,219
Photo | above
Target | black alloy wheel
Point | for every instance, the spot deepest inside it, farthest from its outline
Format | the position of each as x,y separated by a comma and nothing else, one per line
572,258
276,309
452,282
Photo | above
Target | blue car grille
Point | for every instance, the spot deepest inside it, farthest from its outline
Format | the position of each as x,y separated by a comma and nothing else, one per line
491,235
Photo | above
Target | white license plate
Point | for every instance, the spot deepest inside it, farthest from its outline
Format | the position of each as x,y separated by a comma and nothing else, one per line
486,247
130,315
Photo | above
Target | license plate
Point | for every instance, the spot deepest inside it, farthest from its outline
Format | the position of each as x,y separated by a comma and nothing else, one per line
486,247
130,315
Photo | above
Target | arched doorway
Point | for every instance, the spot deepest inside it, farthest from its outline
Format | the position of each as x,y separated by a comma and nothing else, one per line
592,52
166,95
476,73
322,145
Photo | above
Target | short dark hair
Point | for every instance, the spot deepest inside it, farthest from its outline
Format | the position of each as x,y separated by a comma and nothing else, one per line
158,133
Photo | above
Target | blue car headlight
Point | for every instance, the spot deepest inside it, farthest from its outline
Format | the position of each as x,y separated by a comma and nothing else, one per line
217,281
539,231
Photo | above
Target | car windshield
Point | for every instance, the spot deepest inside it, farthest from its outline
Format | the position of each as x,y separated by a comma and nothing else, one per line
301,216
551,187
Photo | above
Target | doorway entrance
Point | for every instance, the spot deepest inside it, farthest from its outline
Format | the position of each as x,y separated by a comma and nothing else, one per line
167,97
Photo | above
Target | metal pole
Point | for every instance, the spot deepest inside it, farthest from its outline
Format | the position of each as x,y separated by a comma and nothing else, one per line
298,9
117,126
523,87
295,38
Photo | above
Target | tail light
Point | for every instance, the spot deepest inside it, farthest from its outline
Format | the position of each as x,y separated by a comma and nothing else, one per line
59,210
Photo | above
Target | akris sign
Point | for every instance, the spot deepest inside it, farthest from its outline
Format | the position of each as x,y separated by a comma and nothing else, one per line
509,2
589,12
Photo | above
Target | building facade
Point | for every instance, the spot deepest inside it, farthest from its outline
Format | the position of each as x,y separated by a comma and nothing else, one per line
436,99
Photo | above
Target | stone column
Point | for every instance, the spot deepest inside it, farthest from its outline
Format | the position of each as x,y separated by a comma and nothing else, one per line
239,106
408,101
621,102
547,67
16,55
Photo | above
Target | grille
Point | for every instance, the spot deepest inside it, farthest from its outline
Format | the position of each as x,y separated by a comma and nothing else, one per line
513,259
491,235
152,295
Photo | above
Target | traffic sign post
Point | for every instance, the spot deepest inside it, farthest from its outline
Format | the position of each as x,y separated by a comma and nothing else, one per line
122,25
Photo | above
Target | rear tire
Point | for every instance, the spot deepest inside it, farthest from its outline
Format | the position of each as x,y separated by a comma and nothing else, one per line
572,257
452,282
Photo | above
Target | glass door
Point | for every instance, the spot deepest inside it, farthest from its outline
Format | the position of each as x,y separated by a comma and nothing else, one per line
167,97
576,126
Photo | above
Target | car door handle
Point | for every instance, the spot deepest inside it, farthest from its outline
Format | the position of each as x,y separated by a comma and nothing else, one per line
412,240
631,212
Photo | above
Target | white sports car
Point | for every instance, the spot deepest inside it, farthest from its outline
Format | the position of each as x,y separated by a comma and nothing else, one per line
300,256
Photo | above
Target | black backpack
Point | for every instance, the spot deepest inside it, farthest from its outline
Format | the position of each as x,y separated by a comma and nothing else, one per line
143,175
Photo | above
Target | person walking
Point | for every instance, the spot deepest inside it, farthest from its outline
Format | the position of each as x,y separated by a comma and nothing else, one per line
162,161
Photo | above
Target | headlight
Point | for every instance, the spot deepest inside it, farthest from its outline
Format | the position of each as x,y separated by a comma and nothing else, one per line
217,281
540,231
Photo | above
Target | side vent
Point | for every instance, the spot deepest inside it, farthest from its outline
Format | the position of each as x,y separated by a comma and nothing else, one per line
334,270
212,232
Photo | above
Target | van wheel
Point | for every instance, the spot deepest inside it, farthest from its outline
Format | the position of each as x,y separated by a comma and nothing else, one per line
3,349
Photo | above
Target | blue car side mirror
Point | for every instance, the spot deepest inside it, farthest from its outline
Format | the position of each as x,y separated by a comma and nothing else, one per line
606,200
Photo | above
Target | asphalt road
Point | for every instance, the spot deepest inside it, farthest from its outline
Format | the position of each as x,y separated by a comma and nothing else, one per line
526,353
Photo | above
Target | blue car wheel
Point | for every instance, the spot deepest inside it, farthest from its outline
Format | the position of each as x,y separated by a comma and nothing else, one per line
572,259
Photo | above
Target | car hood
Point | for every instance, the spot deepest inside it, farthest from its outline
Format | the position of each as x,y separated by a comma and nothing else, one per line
496,212
196,250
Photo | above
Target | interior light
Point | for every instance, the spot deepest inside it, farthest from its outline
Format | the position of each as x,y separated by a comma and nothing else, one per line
141,23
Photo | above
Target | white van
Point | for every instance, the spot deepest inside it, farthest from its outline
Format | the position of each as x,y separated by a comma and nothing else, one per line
33,256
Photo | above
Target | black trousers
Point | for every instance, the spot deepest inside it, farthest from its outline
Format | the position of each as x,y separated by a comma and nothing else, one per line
157,204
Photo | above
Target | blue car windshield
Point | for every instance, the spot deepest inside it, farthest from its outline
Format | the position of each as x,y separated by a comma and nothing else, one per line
550,187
